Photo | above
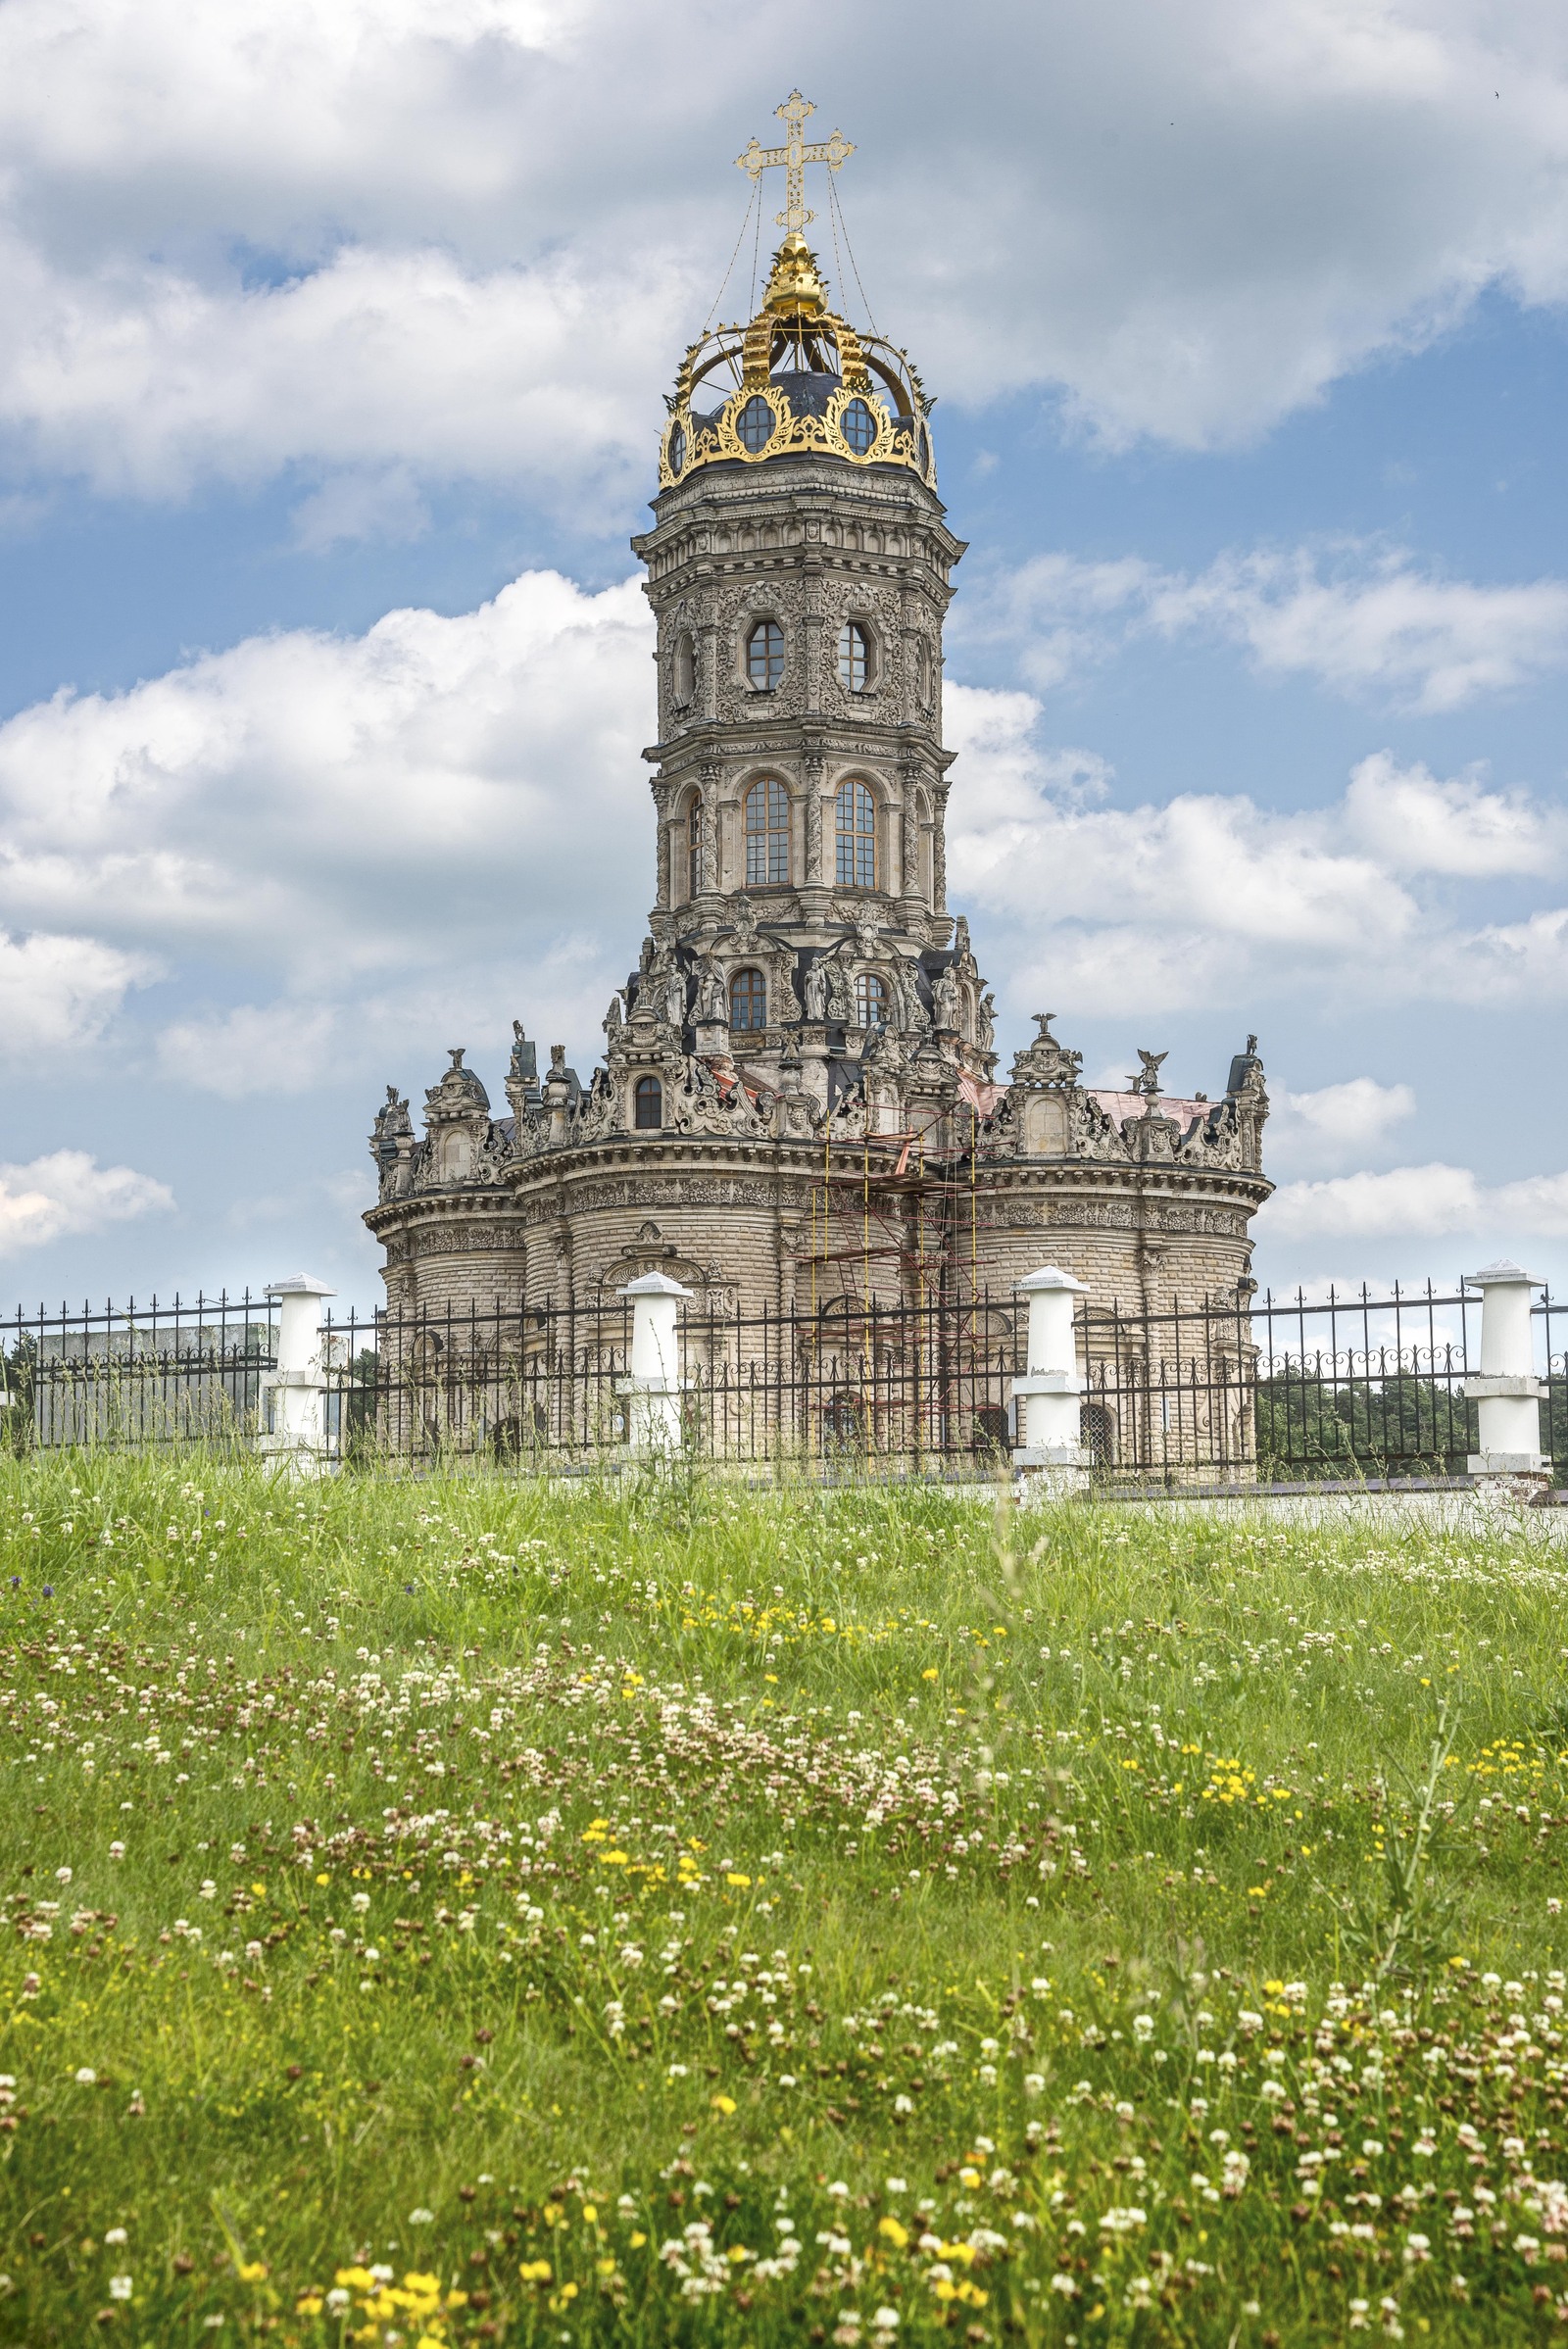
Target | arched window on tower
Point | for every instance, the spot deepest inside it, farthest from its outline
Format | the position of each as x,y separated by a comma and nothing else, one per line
685,667
765,655
870,1001
648,1105
768,834
747,1001
856,837
694,848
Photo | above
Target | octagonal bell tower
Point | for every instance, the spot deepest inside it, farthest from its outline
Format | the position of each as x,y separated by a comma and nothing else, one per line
799,568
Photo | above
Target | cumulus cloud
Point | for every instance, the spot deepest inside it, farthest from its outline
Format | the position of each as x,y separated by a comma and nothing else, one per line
371,363
331,805
1415,1203
355,841
60,991
1363,621
68,1194
228,241
1211,900
1338,1120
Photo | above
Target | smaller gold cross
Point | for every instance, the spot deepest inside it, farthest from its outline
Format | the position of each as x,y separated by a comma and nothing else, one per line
794,156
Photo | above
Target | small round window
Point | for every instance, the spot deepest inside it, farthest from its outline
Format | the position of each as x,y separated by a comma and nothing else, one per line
858,426
754,425
678,449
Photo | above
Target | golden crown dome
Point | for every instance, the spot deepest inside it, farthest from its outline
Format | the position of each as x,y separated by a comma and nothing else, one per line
798,380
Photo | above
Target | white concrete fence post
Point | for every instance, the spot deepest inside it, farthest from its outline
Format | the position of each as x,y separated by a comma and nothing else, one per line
293,1394
1048,1401
1507,1395
653,1391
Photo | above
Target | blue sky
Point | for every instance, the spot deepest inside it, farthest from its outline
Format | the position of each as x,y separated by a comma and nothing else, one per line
330,361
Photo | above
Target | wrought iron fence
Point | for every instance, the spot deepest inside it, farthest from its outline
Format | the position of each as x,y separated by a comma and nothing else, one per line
856,1384
1259,1389
1268,1389
126,1376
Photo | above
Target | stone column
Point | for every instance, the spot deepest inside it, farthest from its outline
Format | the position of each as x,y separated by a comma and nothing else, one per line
1510,1462
813,821
1047,1400
707,847
293,1431
662,798
816,901
653,1390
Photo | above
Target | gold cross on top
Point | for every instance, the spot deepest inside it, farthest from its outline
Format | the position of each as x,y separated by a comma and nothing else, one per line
794,156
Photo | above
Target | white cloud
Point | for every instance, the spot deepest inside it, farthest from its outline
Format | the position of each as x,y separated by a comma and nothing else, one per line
281,1047
479,232
1361,619
1416,1202
322,805
1211,900
361,842
68,1194
1337,1120
1417,824
59,991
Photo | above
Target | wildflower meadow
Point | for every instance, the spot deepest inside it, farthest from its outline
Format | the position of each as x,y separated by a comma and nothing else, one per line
471,1910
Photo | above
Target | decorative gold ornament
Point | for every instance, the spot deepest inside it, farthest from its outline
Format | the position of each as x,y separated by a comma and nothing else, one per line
793,157
864,422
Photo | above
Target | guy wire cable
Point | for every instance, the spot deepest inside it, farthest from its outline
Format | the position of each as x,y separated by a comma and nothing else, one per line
837,207
724,280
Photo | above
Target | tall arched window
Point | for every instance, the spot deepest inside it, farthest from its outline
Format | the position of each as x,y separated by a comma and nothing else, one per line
764,655
648,1105
870,1001
768,834
747,1001
856,837
685,675
694,848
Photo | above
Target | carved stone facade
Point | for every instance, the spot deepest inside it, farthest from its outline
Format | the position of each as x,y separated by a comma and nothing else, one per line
803,1007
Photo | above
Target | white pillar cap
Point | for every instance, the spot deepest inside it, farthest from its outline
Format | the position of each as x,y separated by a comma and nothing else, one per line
1050,1276
656,1283
298,1284
1503,1274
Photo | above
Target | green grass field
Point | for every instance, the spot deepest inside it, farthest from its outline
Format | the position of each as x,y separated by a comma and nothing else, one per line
454,1911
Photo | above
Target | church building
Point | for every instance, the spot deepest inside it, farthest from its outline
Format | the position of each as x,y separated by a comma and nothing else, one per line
799,1102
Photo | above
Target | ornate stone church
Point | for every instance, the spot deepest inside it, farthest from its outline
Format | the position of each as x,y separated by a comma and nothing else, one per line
799,1101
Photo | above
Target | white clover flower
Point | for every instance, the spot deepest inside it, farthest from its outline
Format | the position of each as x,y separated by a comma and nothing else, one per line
119,2287
421,2217
115,2234
86,2077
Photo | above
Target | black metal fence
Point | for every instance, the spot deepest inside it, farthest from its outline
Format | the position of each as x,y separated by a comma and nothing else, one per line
1254,1390
125,1375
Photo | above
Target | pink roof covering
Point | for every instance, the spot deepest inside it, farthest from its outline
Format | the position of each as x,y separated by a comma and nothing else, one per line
1120,1105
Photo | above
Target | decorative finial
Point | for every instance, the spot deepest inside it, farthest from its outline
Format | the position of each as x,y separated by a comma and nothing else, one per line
793,157
456,1052
1147,1081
